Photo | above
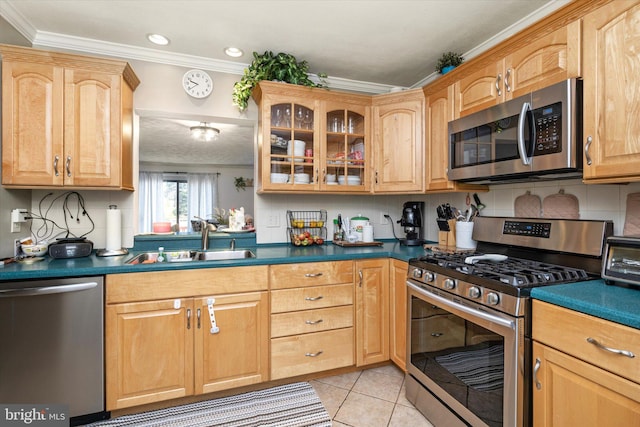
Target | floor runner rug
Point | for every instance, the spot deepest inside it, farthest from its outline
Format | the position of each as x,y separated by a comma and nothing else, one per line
291,405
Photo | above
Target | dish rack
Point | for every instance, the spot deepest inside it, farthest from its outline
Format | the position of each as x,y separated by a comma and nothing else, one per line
312,224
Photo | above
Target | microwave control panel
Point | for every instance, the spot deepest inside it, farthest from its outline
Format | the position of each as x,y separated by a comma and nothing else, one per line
548,122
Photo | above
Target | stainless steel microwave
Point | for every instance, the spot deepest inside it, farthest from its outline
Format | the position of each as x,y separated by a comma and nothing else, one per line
533,137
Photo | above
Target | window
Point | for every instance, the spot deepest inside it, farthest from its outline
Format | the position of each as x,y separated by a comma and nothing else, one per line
175,194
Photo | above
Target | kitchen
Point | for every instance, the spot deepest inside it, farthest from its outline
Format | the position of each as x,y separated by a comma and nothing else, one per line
596,201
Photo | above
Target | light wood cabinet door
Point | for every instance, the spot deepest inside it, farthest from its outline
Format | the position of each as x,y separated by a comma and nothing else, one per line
149,352
32,124
612,93
480,90
372,311
570,392
398,142
398,315
237,354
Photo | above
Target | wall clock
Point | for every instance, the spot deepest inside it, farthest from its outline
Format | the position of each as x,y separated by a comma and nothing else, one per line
197,83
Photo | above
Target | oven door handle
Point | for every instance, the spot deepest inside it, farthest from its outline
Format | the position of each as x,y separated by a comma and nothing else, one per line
468,310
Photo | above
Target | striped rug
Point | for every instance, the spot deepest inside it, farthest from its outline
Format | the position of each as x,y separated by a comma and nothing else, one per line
291,405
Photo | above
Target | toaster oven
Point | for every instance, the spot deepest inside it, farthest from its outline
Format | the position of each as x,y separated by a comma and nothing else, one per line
621,263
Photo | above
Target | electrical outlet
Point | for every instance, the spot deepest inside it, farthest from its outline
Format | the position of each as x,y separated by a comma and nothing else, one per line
273,220
15,227
383,219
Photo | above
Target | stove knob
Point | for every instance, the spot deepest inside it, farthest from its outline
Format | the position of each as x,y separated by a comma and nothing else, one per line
417,273
449,284
493,298
474,292
429,276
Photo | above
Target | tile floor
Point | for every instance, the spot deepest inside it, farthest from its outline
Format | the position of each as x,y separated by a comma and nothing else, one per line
368,398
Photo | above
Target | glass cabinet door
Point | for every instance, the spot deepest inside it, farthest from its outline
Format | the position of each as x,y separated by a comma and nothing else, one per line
344,153
291,158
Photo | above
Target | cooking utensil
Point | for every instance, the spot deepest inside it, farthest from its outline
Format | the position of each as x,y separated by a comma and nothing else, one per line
486,257
479,204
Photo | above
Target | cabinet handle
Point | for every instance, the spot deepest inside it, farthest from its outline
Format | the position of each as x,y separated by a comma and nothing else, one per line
436,334
376,177
324,175
188,318
313,322
198,315
506,80
55,165
498,84
611,350
316,179
360,281
536,368
586,149
68,166
314,298
314,354
313,275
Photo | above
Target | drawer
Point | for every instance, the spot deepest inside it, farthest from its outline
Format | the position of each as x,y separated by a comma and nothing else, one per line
315,297
304,354
304,322
568,330
310,274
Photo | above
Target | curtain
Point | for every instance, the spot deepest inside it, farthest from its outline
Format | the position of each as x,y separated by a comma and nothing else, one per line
203,195
151,200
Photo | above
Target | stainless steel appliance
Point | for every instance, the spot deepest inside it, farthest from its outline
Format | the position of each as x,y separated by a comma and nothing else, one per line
52,351
469,329
621,263
533,137
411,220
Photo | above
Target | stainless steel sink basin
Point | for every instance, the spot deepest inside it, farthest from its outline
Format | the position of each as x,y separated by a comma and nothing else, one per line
220,255
191,255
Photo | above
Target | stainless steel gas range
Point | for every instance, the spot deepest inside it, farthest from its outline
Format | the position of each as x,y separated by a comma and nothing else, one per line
469,322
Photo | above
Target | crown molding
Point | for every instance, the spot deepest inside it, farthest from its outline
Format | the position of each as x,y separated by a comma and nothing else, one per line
17,21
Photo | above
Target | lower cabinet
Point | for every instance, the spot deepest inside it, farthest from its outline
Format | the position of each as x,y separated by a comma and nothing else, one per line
398,315
311,317
162,347
372,311
576,382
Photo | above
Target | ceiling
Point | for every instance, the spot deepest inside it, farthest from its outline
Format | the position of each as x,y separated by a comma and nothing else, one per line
367,46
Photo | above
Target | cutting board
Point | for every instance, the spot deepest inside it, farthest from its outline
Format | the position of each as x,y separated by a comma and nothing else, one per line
561,205
527,206
632,217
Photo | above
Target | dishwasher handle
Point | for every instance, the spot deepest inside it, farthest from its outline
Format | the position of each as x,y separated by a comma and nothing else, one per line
46,290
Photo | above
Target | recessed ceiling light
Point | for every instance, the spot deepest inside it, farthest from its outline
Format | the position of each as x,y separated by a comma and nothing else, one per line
158,39
233,52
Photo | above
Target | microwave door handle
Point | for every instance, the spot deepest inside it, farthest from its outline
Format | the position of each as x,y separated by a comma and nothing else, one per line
522,149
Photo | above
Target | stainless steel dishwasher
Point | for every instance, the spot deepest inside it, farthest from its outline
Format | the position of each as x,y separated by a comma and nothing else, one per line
52,344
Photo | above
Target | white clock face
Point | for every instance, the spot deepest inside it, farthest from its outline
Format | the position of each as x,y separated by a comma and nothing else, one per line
197,83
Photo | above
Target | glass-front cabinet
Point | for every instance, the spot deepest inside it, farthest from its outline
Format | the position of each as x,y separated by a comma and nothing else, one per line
345,150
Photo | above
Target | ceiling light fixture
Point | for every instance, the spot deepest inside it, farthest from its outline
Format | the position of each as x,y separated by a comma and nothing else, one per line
204,132
234,52
158,39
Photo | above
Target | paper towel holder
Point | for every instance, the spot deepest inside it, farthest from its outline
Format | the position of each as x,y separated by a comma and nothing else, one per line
112,252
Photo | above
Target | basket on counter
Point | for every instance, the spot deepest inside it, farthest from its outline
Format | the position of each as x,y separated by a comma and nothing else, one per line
307,228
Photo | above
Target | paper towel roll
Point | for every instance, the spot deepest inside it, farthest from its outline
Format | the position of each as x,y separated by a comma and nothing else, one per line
114,229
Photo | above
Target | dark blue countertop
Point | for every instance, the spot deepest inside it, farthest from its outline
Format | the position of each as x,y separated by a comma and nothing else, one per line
265,254
614,303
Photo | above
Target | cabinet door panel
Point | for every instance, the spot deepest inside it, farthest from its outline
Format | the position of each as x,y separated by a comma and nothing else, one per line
236,355
398,316
480,90
32,105
92,133
149,352
372,311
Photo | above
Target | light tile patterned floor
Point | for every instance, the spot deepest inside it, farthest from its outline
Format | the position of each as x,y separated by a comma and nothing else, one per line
369,398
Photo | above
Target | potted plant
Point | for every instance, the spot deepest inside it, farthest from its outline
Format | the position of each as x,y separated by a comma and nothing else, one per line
240,182
448,61
282,67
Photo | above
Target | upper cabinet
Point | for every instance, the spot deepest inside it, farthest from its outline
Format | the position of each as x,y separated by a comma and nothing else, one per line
612,93
67,120
537,62
398,142
312,139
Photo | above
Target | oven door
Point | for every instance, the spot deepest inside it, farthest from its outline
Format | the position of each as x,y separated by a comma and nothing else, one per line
468,356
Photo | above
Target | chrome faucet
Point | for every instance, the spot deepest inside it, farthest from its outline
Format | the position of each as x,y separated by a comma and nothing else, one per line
232,245
206,228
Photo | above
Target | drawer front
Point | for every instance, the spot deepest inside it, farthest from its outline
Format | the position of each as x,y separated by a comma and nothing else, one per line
285,300
304,322
304,354
310,274
568,331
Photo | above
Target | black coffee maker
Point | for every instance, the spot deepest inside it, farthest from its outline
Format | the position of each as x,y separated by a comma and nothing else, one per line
412,222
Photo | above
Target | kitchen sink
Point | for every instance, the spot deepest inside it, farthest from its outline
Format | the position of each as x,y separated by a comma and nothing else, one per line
191,255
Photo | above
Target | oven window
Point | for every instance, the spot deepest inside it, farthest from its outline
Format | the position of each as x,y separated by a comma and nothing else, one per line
464,359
